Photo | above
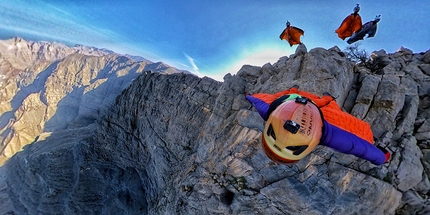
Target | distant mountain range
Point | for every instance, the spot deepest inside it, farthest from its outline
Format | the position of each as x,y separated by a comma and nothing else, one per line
48,86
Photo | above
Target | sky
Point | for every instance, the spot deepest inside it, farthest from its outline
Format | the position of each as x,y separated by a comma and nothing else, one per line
212,38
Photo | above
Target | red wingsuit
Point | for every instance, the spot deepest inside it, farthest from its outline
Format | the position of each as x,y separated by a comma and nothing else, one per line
342,131
350,24
292,35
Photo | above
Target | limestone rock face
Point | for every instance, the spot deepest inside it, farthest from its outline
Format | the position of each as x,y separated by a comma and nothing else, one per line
179,144
48,87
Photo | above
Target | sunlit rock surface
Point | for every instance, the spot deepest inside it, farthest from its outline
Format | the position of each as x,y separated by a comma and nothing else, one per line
49,87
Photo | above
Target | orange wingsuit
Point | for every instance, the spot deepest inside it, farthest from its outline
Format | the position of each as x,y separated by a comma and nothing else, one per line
331,112
291,34
349,25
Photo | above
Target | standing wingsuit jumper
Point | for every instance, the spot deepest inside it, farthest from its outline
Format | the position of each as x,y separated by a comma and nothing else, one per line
297,121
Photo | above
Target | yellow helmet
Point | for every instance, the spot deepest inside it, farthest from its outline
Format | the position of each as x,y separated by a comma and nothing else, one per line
293,130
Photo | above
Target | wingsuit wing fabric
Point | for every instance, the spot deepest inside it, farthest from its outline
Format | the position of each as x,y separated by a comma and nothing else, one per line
372,31
342,131
292,35
368,28
349,25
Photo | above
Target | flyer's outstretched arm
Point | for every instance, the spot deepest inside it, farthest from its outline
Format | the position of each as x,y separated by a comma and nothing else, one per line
348,143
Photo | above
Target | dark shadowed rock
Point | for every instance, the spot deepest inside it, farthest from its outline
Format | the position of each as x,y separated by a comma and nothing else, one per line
426,57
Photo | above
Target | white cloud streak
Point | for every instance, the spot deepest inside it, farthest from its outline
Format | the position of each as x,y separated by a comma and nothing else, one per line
194,67
44,20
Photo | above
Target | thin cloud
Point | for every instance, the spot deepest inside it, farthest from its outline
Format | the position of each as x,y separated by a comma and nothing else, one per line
47,21
194,67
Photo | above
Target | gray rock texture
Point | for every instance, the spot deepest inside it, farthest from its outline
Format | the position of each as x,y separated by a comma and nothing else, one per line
179,144
48,87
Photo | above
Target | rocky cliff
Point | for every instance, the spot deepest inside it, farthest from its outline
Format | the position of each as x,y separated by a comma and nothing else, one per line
46,87
179,144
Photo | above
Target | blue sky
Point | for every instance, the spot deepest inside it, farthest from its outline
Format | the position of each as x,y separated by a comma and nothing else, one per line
211,38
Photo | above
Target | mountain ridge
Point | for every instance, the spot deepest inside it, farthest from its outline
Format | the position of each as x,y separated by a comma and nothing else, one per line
179,144
72,84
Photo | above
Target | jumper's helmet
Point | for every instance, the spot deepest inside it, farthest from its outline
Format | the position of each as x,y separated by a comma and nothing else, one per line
357,8
377,18
293,130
